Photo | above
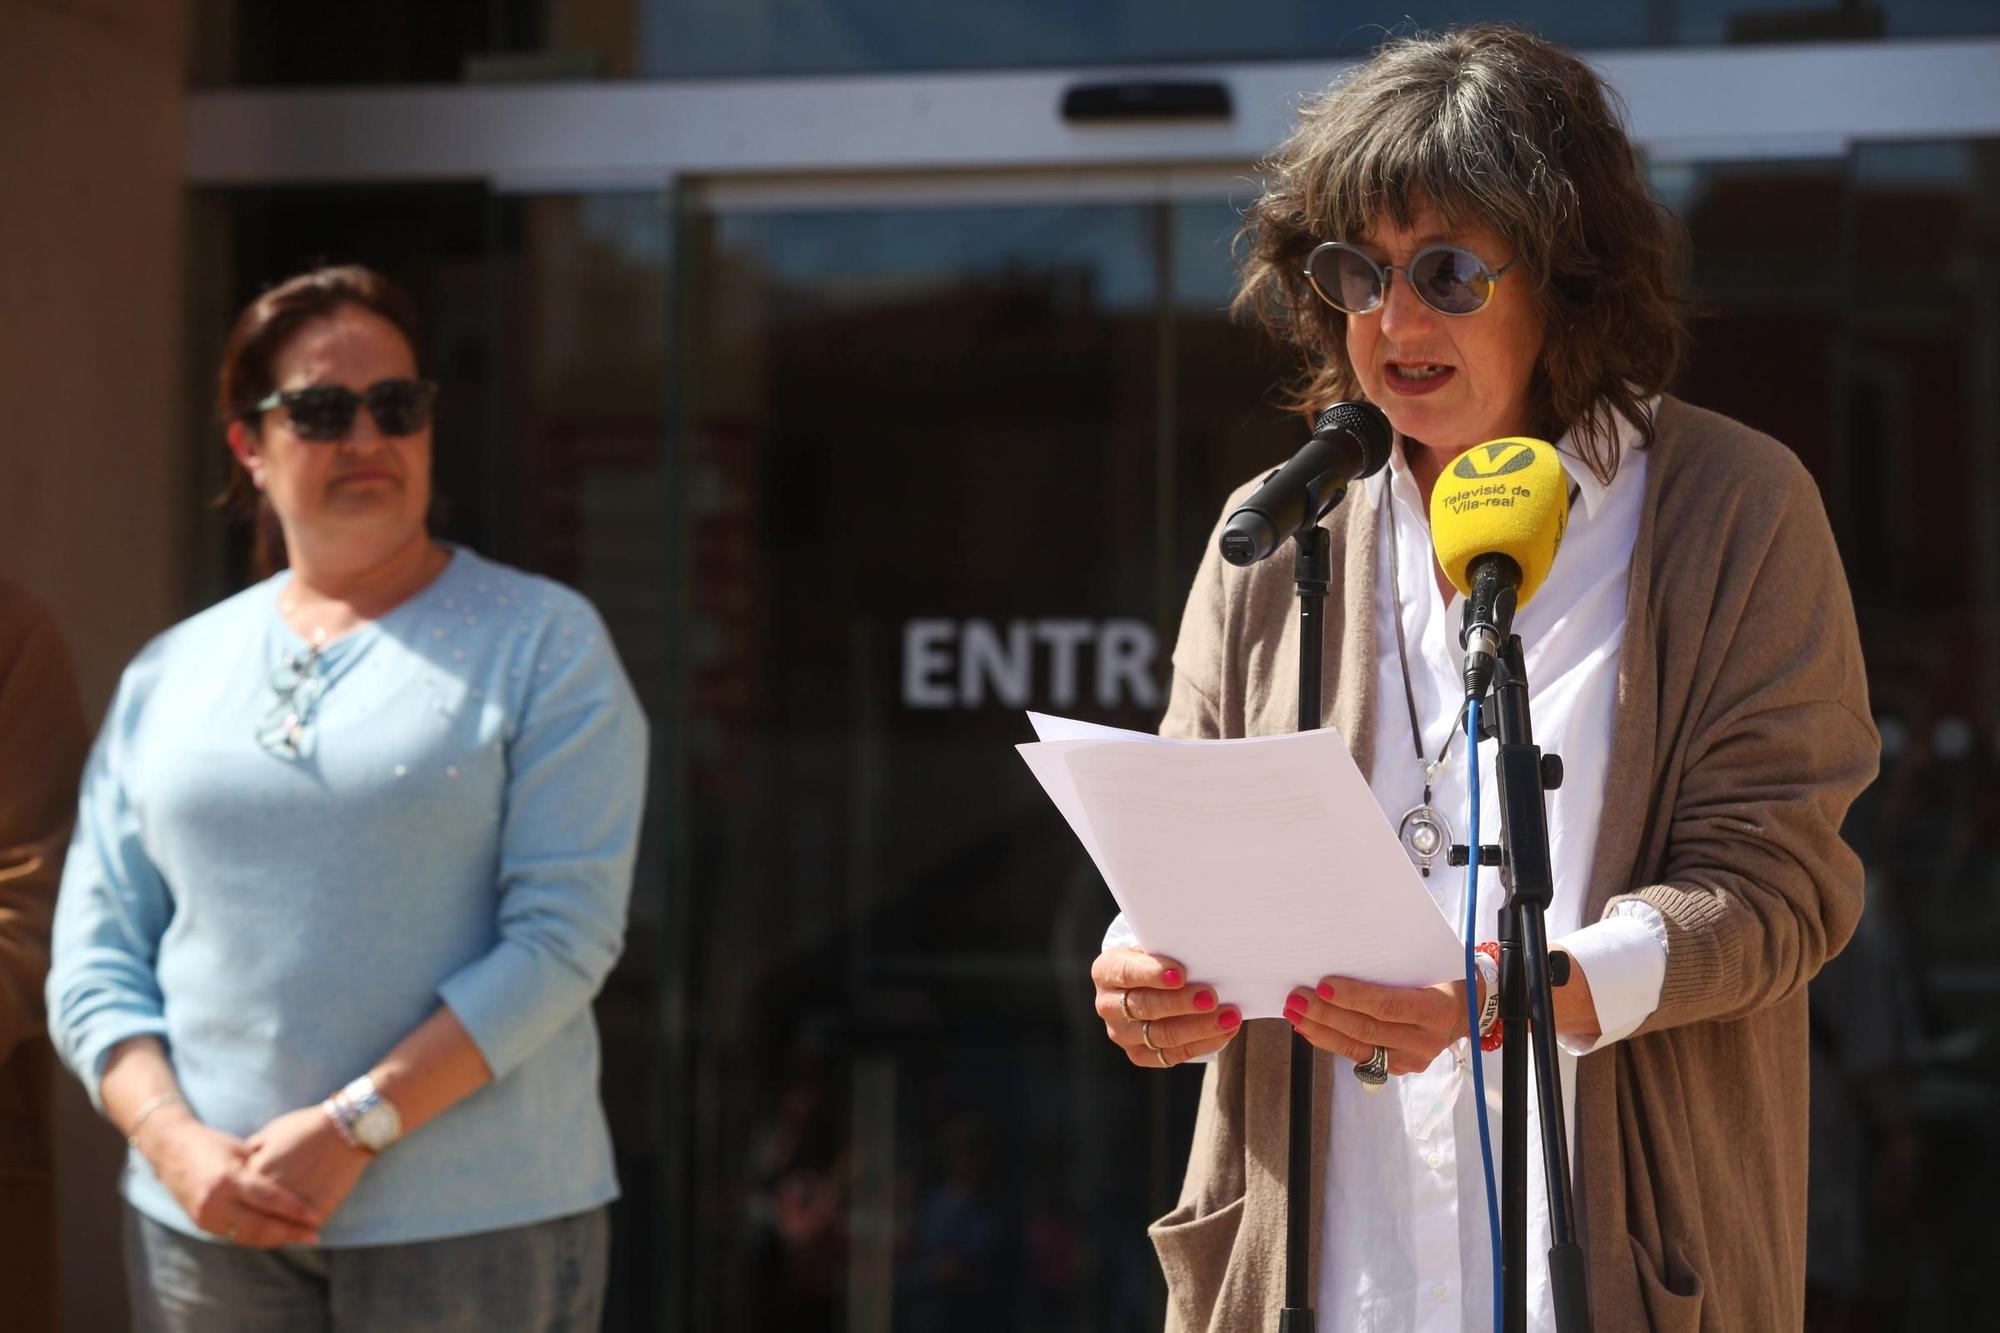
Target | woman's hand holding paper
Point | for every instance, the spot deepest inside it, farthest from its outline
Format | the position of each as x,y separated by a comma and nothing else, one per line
1156,1015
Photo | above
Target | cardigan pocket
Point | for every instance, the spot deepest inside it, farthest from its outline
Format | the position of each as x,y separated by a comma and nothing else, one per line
1194,1257
1672,1292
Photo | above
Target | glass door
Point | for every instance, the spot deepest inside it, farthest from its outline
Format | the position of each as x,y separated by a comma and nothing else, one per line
935,462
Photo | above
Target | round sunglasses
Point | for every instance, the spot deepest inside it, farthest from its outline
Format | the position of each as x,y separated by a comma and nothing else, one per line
1446,278
325,412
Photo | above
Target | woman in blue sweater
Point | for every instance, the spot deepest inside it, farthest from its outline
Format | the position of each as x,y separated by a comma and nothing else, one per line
352,859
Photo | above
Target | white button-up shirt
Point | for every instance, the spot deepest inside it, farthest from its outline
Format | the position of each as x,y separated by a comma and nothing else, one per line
1407,1245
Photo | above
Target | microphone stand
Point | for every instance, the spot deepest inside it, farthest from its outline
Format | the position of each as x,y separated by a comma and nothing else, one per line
1527,1005
1349,440
1312,568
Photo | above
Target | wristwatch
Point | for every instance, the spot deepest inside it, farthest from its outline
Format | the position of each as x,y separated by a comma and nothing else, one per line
363,1116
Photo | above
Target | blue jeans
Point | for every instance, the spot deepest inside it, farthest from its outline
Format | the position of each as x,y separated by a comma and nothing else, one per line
544,1278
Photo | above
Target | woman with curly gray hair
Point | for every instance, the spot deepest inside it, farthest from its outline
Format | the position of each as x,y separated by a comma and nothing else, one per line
1460,234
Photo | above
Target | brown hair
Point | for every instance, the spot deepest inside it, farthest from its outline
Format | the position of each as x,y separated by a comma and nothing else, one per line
1491,126
246,377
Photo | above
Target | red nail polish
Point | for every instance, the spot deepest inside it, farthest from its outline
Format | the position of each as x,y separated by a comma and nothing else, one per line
1204,1000
1295,1005
1172,976
1295,1016
1325,990
1230,1020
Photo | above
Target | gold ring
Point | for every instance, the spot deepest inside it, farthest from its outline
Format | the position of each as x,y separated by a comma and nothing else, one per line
1146,1035
1162,1055
1125,1004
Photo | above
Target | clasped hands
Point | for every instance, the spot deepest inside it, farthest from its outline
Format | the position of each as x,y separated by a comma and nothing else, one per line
277,1187
1161,1018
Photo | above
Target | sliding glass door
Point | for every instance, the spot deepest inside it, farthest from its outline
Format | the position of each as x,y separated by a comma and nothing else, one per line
934,476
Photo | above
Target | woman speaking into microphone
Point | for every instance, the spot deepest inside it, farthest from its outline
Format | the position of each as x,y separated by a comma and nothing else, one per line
1459,234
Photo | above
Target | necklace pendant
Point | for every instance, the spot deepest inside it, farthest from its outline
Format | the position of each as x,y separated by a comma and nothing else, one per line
1425,834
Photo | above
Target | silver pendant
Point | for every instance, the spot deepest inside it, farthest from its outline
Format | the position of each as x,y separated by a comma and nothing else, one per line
1425,834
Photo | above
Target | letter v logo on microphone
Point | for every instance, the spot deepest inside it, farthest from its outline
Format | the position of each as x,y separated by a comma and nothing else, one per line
1500,458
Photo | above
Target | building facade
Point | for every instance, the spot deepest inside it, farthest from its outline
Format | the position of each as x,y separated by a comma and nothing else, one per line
876,391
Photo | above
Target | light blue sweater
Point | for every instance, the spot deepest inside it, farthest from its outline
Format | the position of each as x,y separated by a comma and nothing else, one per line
458,826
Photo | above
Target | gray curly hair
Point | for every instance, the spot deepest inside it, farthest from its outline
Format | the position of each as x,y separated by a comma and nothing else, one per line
1490,125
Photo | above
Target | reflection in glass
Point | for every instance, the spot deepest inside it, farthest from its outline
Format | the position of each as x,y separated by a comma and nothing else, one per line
1856,316
922,462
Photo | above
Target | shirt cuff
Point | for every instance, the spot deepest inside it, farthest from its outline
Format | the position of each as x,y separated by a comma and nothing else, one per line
1625,957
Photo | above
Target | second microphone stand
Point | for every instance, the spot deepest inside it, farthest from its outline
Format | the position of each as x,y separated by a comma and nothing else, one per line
1312,569
1527,1005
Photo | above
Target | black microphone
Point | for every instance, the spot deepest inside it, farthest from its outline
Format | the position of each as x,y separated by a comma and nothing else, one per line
1350,441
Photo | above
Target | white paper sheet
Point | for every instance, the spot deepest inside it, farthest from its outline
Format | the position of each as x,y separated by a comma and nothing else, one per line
1260,865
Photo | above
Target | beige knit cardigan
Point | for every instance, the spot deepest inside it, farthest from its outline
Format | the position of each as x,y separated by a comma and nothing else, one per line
1742,733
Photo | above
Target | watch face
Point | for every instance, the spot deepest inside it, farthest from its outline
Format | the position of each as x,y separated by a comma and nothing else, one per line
378,1126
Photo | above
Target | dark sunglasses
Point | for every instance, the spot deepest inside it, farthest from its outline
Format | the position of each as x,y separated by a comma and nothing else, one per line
1449,280
325,412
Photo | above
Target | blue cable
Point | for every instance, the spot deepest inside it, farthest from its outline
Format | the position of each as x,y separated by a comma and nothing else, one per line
1473,1054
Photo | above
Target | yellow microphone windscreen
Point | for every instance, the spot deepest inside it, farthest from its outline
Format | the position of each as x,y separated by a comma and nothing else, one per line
1507,496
